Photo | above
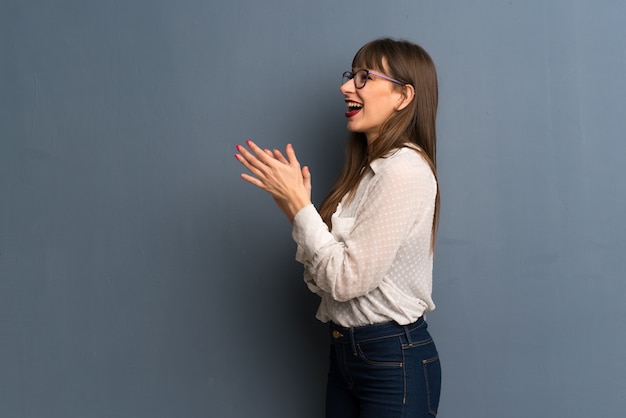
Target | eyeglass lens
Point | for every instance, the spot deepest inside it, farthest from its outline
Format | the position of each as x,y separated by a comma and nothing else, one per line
359,77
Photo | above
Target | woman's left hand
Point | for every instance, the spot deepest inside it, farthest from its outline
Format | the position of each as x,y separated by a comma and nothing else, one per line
280,176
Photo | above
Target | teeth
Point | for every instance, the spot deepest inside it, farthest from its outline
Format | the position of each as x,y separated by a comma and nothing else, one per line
354,105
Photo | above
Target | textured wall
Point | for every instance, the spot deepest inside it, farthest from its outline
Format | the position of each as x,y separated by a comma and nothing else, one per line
140,277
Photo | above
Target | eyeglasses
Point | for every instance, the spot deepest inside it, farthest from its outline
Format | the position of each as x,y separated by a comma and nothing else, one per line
360,77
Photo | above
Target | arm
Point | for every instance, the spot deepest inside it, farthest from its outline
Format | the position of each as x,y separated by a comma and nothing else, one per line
397,199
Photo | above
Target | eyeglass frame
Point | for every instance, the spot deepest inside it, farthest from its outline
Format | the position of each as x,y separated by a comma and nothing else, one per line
349,75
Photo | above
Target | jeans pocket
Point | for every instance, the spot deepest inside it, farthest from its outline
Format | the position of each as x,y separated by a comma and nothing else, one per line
383,353
432,377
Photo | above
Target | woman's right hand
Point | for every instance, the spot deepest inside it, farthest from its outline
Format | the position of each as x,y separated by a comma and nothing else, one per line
306,173
306,176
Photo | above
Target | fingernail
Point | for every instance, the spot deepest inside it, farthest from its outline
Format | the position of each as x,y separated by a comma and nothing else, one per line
237,156
238,147
248,142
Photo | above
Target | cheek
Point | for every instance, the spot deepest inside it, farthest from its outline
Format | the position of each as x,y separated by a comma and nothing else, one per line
381,109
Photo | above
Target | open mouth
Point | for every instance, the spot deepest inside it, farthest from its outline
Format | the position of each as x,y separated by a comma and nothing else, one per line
353,108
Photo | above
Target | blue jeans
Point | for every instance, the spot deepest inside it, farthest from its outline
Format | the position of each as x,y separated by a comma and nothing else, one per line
383,371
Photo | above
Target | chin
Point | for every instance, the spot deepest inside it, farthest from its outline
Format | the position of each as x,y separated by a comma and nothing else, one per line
352,128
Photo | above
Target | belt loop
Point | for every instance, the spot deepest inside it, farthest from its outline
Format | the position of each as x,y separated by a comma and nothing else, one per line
408,335
352,341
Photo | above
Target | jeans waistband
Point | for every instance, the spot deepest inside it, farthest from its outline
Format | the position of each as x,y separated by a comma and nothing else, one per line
343,335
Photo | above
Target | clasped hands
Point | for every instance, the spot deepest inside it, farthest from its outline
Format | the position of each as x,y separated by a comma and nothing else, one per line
279,175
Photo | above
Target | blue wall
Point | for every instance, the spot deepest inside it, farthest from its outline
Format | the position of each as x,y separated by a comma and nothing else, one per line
140,277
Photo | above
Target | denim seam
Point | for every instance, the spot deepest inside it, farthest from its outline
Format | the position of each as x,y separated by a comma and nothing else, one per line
425,364
378,363
351,330
403,375
417,344
383,336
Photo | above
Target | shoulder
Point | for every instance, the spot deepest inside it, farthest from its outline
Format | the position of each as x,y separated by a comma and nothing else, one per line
404,172
406,162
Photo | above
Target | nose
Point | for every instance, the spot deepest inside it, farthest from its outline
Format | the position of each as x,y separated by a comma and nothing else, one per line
347,87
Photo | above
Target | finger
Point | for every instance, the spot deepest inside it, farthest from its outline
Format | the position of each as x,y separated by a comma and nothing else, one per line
280,157
252,168
253,180
306,177
260,154
251,160
291,155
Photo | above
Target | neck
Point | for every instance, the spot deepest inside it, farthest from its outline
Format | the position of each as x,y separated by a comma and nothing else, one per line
371,137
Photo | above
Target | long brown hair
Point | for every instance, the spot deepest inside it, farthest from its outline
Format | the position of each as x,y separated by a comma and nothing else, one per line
414,124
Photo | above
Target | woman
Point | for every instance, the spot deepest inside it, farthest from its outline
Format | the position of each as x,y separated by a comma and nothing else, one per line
368,252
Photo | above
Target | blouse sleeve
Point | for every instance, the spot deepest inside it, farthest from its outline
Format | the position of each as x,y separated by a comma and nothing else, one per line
353,262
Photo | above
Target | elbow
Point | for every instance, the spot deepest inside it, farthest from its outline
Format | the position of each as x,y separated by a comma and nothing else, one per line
342,296
352,284
347,293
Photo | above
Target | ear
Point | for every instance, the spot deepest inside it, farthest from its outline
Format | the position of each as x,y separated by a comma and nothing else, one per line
408,94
